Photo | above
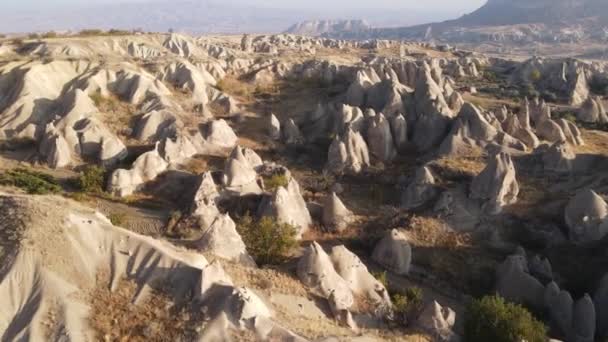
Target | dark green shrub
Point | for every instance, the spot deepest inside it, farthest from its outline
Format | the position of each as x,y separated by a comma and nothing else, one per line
31,181
92,179
33,36
267,240
493,319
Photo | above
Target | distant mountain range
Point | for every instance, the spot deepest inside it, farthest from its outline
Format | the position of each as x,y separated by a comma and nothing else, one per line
507,20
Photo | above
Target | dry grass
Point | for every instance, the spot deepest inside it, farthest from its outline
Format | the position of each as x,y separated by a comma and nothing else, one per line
488,102
596,142
532,193
115,114
241,90
470,164
432,232
196,166
115,318
264,279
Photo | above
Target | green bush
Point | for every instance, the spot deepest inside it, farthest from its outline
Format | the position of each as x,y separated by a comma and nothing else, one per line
33,36
407,304
32,182
267,240
535,75
275,181
118,219
493,319
381,277
92,179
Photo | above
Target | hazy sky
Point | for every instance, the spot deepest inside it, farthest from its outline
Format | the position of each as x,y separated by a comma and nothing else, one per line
462,6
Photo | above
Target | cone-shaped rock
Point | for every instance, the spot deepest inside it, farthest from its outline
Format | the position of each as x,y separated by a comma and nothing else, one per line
496,184
394,252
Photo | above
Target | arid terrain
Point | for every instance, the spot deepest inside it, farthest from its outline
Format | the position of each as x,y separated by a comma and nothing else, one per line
168,187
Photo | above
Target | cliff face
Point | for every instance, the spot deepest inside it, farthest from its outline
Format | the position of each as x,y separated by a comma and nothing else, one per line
328,27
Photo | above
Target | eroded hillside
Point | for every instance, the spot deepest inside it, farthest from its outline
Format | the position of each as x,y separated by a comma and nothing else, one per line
280,187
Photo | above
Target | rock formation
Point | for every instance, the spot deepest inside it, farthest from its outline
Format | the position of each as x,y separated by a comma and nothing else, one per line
496,185
145,168
586,216
336,217
222,239
421,190
394,252
288,206
316,270
438,321
348,153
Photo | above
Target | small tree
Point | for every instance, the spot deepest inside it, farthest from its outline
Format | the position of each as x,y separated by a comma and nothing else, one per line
493,319
267,240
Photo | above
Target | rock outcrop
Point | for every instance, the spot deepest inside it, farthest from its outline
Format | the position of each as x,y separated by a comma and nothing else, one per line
496,185
593,111
394,252
586,216
336,217
287,205
348,153
438,321
359,279
145,168
316,270
421,190
222,239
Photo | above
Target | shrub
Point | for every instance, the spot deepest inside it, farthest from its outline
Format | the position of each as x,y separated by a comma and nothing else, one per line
31,181
117,32
91,179
535,75
381,277
50,34
90,32
118,219
267,240
33,36
407,304
275,181
493,319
